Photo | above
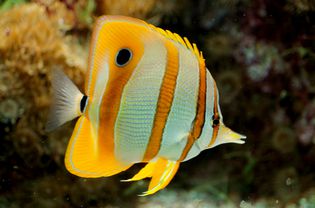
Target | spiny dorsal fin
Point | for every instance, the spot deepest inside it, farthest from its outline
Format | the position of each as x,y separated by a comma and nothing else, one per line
183,41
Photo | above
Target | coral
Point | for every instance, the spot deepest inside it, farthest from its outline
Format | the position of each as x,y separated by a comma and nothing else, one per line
32,44
60,12
134,8
284,140
260,58
305,126
220,45
9,111
301,6
34,39
229,84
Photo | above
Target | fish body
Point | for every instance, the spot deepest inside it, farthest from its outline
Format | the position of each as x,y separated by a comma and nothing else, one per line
148,97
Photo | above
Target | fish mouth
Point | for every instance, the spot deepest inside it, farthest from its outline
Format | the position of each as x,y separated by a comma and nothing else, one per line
231,136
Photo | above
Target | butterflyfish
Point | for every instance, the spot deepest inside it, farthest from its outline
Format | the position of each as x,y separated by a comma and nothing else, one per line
148,98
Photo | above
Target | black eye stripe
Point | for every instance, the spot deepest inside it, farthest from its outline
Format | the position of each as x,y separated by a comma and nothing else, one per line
123,57
215,121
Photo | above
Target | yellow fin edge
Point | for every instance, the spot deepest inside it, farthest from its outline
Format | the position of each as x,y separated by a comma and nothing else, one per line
183,41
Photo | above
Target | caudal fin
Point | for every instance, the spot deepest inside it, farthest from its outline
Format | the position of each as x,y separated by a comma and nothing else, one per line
66,104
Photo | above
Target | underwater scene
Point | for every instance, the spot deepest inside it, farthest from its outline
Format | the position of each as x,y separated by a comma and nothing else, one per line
150,107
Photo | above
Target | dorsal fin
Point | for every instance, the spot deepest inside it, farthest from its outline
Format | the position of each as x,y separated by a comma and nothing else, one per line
183,41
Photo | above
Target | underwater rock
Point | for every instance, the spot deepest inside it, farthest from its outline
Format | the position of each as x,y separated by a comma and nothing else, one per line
27,145
305,126
183,199
86,192
48,191
286,184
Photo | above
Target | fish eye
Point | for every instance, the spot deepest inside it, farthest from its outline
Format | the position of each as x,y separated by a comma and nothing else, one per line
215,121
123,56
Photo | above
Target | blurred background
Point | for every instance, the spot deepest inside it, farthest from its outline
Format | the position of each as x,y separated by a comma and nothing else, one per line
262,55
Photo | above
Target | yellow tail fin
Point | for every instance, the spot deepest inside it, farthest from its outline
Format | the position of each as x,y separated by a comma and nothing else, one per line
161,171
83,157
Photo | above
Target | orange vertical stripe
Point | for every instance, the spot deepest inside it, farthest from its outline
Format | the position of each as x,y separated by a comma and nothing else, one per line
200,111
96,41
112,37
164,102
215,116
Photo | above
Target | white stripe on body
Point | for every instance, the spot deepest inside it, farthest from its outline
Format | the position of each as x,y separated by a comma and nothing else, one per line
94,108
135,118
183,109
205,137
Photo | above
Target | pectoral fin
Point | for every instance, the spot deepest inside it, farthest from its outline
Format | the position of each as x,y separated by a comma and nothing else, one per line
161,171
145,172
164,172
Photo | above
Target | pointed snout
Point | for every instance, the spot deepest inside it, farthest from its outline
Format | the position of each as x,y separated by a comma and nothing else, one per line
226,135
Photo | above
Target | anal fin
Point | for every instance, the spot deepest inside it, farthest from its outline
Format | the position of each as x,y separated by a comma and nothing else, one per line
83,157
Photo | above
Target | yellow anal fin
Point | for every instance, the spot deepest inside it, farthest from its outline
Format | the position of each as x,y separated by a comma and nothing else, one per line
163,173
83,157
